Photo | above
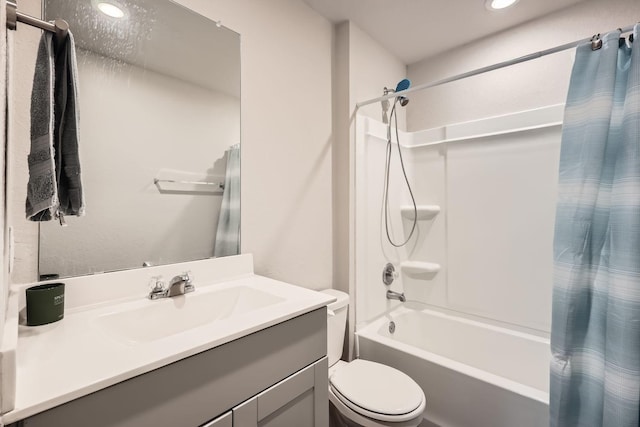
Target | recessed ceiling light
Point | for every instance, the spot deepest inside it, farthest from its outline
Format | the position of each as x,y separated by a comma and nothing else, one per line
110,9
499,4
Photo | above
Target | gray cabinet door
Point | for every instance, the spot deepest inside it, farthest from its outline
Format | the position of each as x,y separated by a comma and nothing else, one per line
300,400
225,420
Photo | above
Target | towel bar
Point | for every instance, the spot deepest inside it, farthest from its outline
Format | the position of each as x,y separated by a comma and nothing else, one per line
60,27
213,186
173,181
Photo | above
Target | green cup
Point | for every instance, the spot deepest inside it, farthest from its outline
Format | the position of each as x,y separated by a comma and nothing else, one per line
45,304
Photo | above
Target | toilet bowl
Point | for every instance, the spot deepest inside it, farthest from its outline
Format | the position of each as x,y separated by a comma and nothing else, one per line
365,393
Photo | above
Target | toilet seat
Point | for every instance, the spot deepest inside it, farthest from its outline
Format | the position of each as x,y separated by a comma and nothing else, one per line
377,391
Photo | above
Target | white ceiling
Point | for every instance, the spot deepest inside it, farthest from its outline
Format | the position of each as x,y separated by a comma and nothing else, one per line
416,29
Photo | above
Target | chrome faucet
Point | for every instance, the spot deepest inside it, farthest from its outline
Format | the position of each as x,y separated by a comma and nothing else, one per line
179,285
396,295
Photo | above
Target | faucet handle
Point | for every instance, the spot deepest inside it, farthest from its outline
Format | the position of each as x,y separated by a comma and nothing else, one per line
188,285
188,276
156,284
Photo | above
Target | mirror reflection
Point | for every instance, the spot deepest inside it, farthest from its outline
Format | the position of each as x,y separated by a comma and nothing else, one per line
159,95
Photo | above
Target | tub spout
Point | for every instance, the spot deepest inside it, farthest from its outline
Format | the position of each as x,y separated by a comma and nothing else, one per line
396,295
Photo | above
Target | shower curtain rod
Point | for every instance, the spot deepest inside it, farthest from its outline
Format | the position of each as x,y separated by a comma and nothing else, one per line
60,27
493,67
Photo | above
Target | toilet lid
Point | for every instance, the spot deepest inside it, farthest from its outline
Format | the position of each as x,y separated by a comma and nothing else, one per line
377,388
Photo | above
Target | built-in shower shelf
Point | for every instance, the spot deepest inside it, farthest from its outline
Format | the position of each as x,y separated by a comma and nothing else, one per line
424,211
417,268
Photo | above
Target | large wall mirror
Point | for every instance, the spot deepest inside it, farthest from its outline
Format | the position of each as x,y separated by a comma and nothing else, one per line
159,89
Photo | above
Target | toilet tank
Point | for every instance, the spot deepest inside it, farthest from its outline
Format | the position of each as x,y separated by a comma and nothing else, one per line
336,324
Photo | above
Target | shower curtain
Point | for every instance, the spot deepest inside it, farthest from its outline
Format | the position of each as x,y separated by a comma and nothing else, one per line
228,232
595,337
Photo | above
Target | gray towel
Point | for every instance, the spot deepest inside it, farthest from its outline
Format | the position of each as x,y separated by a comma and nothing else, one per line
228,233
55,187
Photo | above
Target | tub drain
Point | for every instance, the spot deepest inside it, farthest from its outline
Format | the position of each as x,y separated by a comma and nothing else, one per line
392,327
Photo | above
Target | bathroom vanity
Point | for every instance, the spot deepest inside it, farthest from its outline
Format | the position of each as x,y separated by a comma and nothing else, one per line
239,351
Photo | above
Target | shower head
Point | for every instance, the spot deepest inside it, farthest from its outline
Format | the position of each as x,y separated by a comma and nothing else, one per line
403,85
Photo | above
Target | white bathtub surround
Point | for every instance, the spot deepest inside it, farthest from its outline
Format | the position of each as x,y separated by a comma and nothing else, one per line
473,374
109,333
481,264
488,178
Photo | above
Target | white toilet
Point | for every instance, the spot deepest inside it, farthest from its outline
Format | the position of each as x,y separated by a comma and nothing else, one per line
365,393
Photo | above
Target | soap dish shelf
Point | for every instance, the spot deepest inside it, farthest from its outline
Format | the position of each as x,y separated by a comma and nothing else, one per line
423,211
418,268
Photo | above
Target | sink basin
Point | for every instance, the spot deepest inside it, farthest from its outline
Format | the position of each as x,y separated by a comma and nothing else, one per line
161,318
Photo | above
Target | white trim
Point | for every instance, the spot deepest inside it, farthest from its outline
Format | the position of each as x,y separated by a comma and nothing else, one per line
487,135
520,122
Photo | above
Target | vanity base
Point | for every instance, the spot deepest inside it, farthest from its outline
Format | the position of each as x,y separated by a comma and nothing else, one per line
204,387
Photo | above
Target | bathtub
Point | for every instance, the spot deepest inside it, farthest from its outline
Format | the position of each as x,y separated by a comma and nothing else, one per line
472,373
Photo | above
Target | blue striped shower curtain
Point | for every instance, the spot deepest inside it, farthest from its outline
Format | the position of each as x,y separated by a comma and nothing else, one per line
595,337
228,233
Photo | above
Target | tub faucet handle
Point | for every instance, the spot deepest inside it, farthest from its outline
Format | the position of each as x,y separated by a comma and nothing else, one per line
389,274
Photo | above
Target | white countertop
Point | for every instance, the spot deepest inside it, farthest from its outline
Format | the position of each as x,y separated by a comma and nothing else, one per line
71,358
